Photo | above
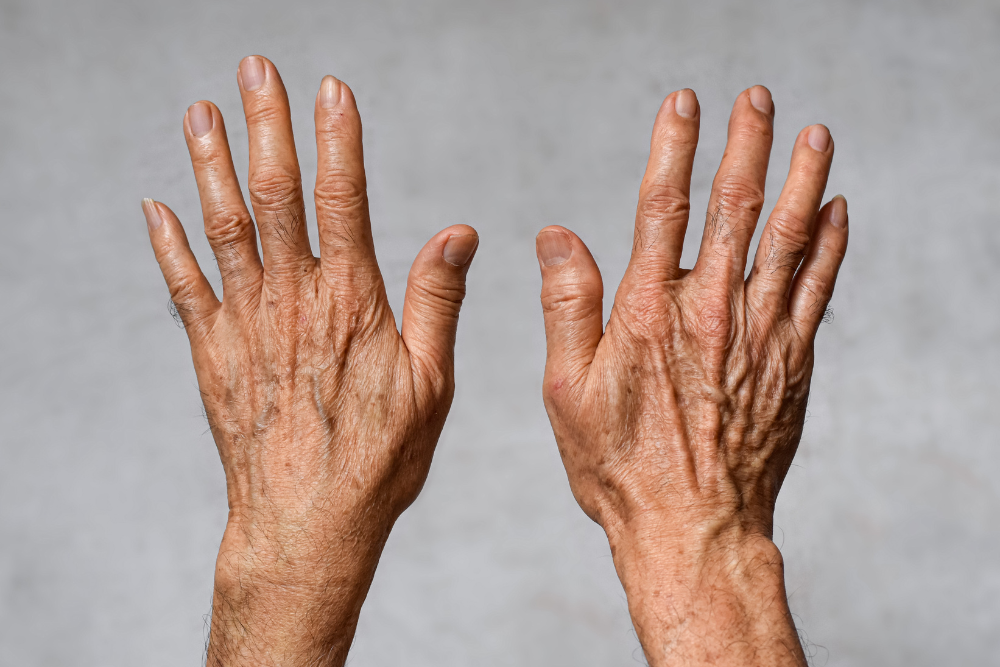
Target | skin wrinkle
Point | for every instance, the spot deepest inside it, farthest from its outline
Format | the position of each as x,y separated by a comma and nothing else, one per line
692,401
324,430
740,420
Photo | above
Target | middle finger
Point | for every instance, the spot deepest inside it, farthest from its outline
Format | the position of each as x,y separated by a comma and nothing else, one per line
275,183
738,190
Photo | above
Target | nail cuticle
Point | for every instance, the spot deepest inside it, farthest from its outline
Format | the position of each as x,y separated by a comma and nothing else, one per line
329,92
838,216
459,248
554,248
686,103
200,119
760,98
252,73
819,138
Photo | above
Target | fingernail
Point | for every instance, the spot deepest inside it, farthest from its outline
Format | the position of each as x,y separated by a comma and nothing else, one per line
329,93
760,98
819,138
200,119
553,248
252,73
838,212
153,219
686,103
459,248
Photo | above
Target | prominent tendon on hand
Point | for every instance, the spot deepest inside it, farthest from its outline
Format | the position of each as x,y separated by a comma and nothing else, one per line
325,415
678,422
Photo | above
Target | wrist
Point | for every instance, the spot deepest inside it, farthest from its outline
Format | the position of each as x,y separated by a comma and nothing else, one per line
685,540
707,596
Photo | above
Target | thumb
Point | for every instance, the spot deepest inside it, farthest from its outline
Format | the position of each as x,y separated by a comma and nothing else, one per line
435,289
572,303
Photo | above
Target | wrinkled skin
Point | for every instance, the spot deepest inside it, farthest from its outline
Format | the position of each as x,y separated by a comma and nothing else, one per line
678,422
325,416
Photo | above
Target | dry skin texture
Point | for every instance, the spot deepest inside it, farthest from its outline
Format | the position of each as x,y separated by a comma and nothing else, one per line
325,415
676,425
678,422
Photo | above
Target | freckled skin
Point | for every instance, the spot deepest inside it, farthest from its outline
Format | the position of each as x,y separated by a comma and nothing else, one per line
325,415
678,421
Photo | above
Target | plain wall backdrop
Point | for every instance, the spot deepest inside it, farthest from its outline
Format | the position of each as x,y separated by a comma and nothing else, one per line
508,116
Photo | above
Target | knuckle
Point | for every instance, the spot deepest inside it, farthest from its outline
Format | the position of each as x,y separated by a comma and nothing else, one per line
569,298
438,295
753,129
815,286
664,202
645,312
834,249
204,157
738,192
353,321
339,127
340,192
712,319
812,170
265,113
226,226
274,186
162,251
672,138
182,291
791,229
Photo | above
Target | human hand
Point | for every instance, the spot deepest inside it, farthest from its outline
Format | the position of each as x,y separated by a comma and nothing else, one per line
678,422
325,416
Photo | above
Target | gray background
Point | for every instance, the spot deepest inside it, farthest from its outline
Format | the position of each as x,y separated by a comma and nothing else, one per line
508,116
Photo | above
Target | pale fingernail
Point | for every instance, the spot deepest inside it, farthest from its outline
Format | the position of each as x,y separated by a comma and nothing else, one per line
459,248
760,98
553,248
153,219
838,212
819,138
200,119
686,103
329,93
252,73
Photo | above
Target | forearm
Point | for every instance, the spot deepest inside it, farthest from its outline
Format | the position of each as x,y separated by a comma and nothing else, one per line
717,601
270,607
